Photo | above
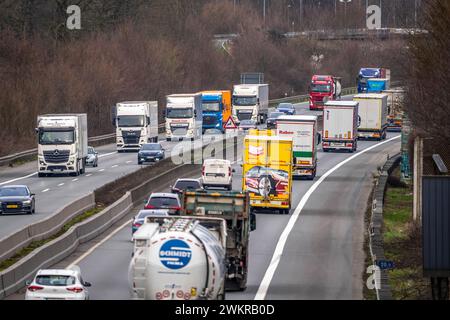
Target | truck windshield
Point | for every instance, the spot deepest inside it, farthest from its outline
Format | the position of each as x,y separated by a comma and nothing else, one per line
211,106
131,121
47,136
320,88
244,101
177,113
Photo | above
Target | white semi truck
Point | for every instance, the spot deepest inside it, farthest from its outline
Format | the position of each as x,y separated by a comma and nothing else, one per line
303,130
184,118
62,143
250,102
340,126
136,123
179,258
373,112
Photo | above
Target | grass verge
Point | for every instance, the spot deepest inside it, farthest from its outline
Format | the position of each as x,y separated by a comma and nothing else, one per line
36,244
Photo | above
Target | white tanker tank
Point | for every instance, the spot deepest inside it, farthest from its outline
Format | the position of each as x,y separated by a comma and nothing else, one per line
179,258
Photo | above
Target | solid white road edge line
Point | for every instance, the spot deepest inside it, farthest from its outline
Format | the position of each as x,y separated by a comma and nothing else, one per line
16,179
84,255
107,154
267,279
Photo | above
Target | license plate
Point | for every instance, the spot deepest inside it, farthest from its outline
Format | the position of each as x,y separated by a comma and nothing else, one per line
215,212
12,206
336,144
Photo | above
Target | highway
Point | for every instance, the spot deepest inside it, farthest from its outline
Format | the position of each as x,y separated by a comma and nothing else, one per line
316,252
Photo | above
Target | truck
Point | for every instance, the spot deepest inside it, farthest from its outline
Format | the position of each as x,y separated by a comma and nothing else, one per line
184,117
378,85
340,126
323,89
232,206
396,112
372,113
62,143
178,258
303,131
250,101
267,172
216,108
136,123
370,73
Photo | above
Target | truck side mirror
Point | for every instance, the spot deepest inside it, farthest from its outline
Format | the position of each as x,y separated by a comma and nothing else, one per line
37,130
252,221
148,120
319,138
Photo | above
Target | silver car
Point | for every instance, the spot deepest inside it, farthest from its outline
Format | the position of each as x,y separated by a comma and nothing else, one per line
92,157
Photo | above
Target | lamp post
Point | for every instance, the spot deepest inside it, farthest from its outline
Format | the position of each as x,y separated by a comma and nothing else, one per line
345,2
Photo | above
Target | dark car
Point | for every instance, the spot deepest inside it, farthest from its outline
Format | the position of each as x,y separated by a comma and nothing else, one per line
168,201
271,120
150,152
286,108
16,199
245,125
139,219
186,185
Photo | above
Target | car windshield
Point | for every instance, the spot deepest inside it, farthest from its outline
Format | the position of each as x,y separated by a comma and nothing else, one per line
184,185
55,280
211,106
131,121
320,88
177,113
275,115
13,191
151,146
56,136
163,202
285,106
244,101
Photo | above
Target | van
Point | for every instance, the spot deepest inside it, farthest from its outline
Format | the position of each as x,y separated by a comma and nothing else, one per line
217,173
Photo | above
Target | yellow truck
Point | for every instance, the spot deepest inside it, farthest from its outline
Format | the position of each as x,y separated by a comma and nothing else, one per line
267,172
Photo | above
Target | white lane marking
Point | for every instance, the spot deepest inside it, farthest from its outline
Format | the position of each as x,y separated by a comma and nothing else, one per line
17,179
129,161
61,184
76,179
45,190
265,283
99,244
107,154
89,174
101,170
115,166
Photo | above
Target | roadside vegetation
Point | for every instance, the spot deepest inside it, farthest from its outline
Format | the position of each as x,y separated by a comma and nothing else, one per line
403,243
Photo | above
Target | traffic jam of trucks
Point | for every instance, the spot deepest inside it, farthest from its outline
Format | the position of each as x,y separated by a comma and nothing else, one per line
194,244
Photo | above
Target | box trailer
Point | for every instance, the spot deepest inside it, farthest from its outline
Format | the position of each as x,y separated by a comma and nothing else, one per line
340,126
372,112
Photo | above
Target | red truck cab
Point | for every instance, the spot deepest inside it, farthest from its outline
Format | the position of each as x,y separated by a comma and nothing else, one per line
323,89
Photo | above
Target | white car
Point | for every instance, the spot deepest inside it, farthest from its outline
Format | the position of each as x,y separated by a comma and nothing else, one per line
217,173
58,284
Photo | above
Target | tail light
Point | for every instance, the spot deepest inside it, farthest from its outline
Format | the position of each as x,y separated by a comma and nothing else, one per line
137,225
203,170
326,133
229,171
75,289
34,288
149,206
175,208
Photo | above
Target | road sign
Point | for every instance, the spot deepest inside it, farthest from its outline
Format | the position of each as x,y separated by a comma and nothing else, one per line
230,124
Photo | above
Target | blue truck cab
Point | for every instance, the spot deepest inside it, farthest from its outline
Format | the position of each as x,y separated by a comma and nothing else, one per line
364,75
212,105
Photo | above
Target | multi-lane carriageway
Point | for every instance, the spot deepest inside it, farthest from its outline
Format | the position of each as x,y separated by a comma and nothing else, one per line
316,252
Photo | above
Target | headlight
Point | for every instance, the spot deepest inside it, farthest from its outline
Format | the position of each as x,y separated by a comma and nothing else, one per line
26,202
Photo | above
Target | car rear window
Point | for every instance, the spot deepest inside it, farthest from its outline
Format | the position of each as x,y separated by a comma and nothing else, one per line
215,165
160,202
184,185
55,280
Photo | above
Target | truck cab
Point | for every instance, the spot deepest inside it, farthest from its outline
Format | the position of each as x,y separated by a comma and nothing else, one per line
136,123
184,117
62,143
370,73
250,102
216,108
323,89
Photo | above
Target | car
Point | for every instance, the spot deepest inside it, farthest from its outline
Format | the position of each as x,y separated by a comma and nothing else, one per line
271,119
17,199
58,284
286,108
139,219
169,201
186,184
265,181
92,157
217,173
151,152
245,125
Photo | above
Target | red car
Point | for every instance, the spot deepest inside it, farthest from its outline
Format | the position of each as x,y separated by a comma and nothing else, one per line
266,181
